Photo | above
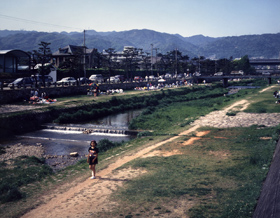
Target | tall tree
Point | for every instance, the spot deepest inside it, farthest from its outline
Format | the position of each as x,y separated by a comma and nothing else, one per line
244,64
130,62
43,56
178,63
108,60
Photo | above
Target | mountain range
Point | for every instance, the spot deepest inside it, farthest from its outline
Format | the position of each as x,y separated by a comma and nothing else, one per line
265,45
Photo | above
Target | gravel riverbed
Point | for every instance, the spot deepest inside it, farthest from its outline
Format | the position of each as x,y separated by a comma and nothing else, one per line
56,162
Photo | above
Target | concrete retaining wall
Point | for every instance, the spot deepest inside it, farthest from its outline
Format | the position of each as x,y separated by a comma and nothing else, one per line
269,202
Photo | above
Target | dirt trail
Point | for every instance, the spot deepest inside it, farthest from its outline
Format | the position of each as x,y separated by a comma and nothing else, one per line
76,201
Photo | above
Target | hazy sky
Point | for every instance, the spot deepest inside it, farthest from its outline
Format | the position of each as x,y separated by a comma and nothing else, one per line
213,18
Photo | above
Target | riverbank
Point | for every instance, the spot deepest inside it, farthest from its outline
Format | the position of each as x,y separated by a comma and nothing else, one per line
211,164
177,148
217,119
56,162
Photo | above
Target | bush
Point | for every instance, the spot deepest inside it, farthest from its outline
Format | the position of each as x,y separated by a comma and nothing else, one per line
105,144
12,194
231,113
26,170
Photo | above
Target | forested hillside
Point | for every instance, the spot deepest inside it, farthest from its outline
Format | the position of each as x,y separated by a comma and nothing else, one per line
266,45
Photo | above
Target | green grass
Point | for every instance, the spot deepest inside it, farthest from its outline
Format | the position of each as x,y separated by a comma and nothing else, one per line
18,172
223,186
170,118
264,103
215,186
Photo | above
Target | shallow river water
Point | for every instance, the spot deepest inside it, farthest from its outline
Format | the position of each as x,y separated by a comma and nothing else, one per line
65,139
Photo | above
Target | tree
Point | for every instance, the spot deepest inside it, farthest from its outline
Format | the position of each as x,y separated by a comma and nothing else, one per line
146,63
130,61
108,60
75,63
225,65
43,56
97,59
244,64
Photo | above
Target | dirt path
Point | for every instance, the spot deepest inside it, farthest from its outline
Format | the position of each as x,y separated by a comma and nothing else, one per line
76,201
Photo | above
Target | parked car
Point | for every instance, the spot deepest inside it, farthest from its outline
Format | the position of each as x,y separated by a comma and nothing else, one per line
21,82
168,76
121,77
218,74
67,81
113,79
180,76
39,79
97,78
84,80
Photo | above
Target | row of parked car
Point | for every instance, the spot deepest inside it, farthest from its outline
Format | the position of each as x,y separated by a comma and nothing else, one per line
31,81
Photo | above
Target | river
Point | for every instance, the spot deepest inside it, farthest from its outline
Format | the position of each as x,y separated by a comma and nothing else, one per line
64,139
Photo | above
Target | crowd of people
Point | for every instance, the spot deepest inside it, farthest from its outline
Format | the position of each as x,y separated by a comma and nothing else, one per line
150,86
37,98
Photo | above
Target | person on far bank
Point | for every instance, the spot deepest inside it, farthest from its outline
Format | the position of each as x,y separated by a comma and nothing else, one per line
93,157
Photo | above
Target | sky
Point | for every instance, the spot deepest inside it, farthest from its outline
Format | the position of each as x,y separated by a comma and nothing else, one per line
214,18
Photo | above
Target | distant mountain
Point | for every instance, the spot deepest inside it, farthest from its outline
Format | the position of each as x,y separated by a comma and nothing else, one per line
266,45
200,40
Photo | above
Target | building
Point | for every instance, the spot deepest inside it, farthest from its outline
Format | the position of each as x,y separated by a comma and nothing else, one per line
69,51
132,54
14,61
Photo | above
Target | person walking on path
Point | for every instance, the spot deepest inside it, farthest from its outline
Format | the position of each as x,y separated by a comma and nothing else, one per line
93,157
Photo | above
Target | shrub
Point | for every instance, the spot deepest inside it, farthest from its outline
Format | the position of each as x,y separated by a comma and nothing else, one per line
105,144
231,113
12,194
26,170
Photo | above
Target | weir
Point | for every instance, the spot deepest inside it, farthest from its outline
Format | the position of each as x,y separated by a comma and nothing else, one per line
94,129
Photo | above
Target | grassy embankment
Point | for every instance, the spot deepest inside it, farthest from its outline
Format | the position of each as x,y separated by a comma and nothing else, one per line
216,186
219,175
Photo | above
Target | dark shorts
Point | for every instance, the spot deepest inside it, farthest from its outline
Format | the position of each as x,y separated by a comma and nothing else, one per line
92,163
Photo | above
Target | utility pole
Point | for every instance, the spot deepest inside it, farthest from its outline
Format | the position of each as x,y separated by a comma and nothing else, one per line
199,64
84,53
156,60
176,62
152,57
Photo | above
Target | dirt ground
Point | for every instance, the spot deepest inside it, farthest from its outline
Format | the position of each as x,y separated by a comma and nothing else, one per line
75,202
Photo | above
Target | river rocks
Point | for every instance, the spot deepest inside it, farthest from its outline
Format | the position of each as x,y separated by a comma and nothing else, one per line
220,119
17,150
56,162
74,154
88,131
